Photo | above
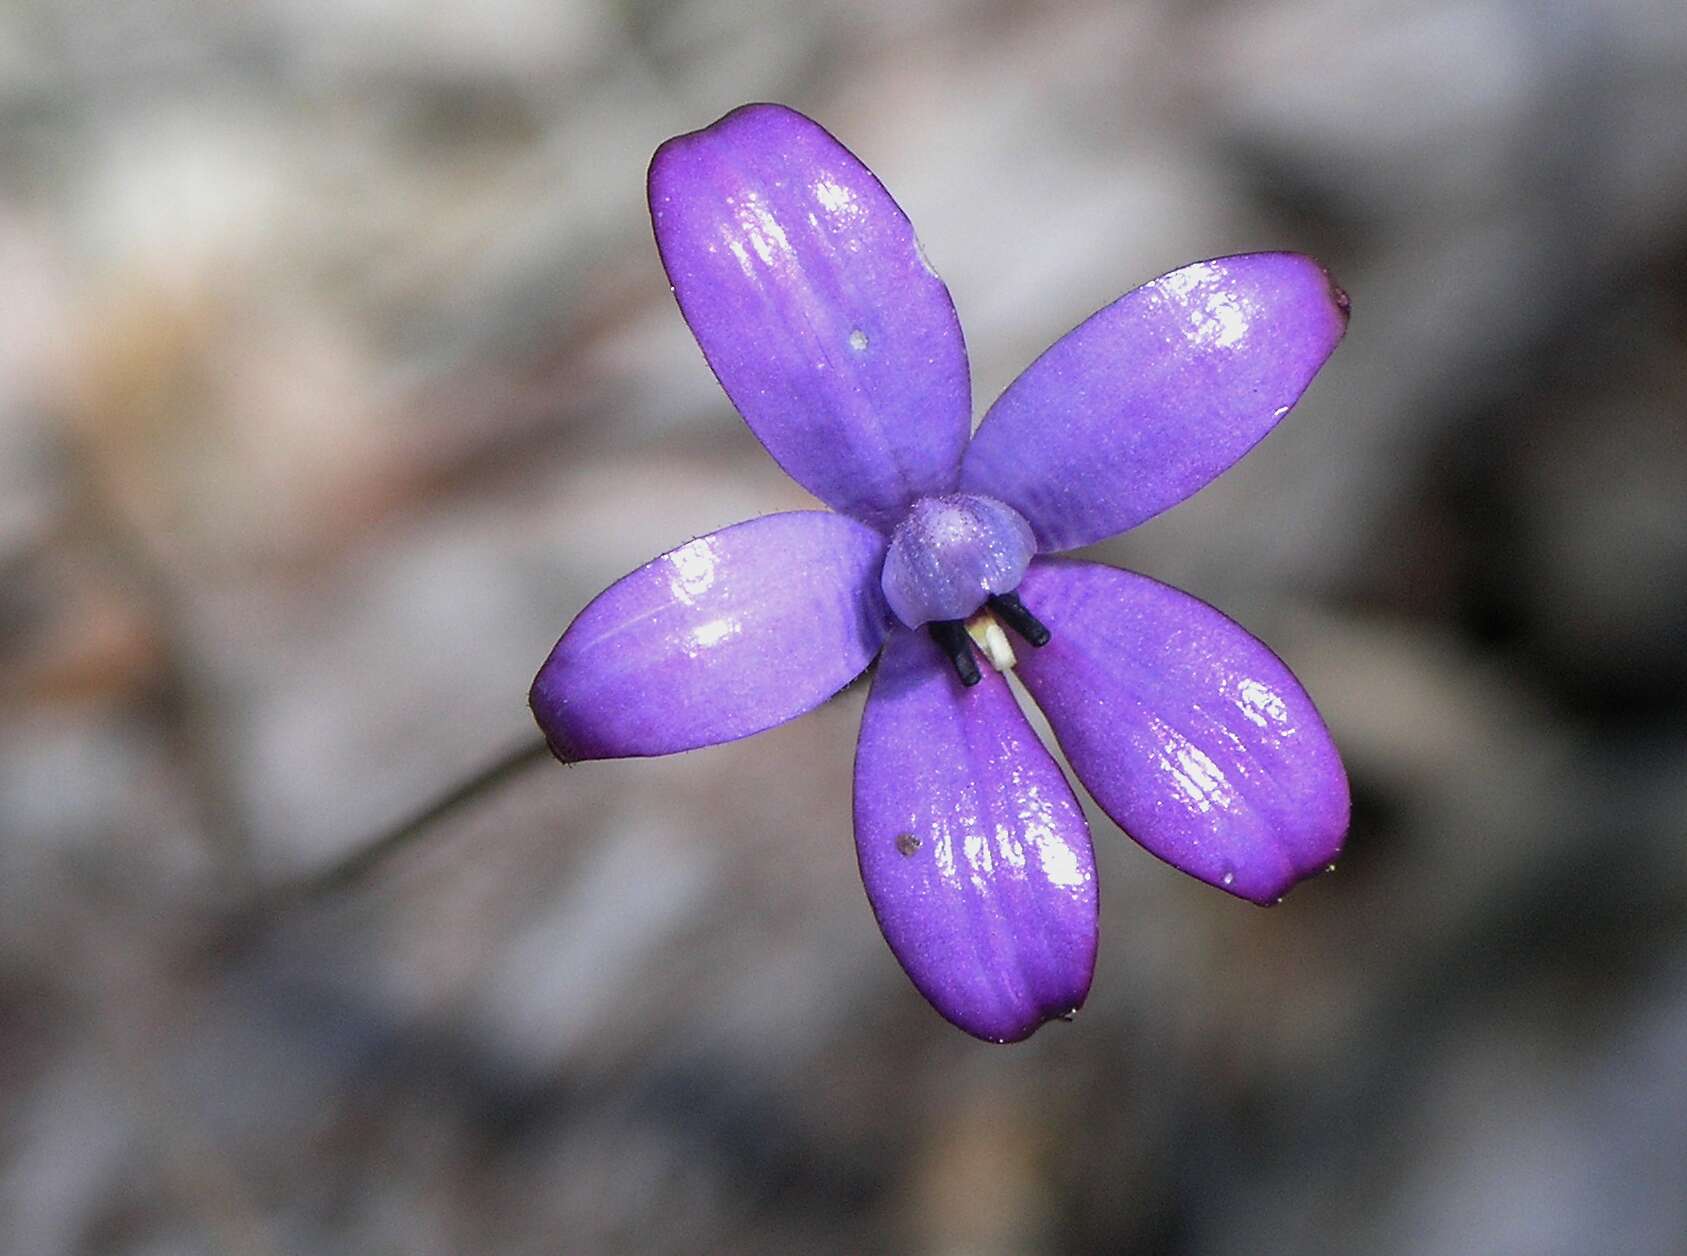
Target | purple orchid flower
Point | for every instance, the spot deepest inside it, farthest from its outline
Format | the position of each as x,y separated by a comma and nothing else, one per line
813,303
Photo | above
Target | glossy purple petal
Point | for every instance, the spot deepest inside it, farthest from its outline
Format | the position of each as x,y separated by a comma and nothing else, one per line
974,852
949,553
1153,396
805,287
732,633
1188,731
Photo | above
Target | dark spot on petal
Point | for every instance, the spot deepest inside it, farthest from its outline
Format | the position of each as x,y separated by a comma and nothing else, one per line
907,843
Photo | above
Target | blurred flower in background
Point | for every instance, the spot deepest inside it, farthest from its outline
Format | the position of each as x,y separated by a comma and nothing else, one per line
334,375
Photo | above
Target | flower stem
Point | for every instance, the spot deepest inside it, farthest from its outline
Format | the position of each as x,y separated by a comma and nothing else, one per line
367,856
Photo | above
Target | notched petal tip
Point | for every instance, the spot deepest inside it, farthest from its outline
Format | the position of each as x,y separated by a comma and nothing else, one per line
1273,892
1308,867
1297,847
1002,1034
674,145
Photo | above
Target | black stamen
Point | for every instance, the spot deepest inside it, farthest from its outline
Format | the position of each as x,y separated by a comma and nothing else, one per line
1013,613
951,636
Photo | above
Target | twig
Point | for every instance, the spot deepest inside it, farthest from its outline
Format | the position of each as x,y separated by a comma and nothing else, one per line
368,855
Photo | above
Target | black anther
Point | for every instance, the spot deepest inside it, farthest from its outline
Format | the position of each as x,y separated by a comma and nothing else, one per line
951,637
1013,613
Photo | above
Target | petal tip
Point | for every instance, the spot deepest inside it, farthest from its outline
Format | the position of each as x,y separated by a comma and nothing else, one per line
550,722
752,114
1338,295
1340,302
1272,891
1344,303
1019,1031
1004,1022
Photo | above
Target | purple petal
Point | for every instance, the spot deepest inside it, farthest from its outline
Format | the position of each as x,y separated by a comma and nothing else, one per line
806,289
732,633
974,852
1153,396
1192,735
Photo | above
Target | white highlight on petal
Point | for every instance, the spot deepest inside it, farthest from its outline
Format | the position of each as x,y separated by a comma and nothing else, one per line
976,851
694,569
835,197
714,632
756,224
1059,862
1223,323
1261,704
1221,319
770,239
738,251
1009,848
1192,770
1180,283
943,854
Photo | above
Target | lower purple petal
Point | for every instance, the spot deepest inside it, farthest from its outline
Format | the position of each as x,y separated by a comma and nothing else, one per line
725,636
1190,733
974,852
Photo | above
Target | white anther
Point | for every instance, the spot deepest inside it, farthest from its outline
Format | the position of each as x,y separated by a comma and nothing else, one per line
992,640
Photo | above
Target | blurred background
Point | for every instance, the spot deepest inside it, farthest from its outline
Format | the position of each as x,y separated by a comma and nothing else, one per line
337,372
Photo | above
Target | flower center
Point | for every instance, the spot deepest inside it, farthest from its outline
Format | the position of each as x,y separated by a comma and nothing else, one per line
954,562
950,553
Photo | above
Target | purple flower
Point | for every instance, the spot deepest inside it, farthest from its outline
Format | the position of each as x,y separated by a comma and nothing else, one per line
807,290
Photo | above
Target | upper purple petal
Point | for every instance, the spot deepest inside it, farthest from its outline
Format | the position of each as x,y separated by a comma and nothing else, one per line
805,287
1189,732
732,633
974,852
1153,396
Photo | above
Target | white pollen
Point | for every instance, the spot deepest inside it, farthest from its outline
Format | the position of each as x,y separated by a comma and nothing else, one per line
858,340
